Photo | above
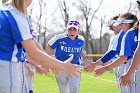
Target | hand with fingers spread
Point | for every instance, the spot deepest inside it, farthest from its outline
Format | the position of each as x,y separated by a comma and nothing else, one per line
90,66
30,72
125,79
100,70
71,69
39,69
45,70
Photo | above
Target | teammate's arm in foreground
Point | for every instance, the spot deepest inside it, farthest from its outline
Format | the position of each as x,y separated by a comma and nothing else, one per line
101,69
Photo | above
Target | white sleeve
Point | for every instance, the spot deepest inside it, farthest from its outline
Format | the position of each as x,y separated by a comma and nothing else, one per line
23,25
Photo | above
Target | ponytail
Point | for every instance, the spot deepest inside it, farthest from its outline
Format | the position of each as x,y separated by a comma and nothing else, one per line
136,26
19,4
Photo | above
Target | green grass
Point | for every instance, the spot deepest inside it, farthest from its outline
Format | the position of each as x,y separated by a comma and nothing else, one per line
89,84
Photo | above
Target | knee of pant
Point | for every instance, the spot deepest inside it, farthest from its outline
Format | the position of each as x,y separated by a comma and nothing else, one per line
31,91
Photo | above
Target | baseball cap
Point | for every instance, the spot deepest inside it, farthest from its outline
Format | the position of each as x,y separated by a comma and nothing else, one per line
74,24
122,20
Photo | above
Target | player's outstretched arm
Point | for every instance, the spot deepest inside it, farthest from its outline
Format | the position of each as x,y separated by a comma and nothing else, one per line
101,69
90,66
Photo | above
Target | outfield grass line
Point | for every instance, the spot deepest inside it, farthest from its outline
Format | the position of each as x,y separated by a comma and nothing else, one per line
110,81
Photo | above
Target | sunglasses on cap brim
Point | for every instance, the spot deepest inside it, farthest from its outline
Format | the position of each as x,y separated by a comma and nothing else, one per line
73,23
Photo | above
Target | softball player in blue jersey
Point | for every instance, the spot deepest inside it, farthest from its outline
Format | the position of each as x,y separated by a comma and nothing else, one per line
15,35
113,50
134,68
128,46
67,44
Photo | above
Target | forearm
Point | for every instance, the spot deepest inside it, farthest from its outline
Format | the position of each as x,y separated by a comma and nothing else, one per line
38,46
83,55
117,62
39,56
49,50
45,60
99,62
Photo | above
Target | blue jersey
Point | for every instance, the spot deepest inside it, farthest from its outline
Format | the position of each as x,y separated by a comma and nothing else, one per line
129,43
139,33
114,47
65,47
14,28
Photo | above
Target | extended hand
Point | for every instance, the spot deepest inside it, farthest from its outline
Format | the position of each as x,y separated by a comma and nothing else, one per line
45,70
39,69
71,69
90,66
100,70
124,80
30,72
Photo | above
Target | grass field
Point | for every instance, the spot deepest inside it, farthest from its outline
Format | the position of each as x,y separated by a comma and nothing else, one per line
89,84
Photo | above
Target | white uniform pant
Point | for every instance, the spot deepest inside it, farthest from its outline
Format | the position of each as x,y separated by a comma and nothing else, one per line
12,79
30,80
67,83
116,69
122,69
137,80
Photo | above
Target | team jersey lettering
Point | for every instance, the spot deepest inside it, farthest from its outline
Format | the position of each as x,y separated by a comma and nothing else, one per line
71,49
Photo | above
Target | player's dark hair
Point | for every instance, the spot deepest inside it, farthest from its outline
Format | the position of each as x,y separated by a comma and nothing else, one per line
115,17
130,16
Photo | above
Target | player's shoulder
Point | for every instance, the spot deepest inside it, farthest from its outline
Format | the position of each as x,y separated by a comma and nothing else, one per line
16,13
131,32
81,37
60,36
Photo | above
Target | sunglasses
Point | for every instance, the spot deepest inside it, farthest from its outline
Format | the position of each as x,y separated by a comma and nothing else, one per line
73,23
138,3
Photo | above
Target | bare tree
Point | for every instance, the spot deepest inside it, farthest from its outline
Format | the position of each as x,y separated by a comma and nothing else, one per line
37,20
102,22
131,7
88,14
64,9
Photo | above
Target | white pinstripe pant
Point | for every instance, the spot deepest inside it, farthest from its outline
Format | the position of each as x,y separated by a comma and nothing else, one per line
68,84
12,77
126,89
137,80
